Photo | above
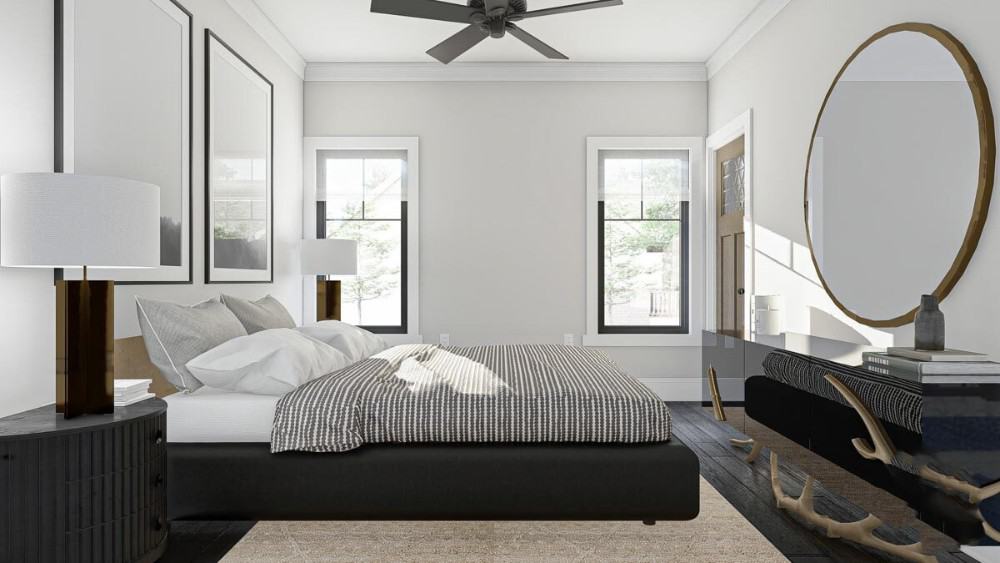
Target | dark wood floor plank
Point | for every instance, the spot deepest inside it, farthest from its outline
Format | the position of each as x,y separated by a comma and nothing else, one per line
202,542
786,537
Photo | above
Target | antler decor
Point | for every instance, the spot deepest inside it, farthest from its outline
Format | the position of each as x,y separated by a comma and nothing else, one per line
713,389
755,447
720,414
885,452
991,532
860,531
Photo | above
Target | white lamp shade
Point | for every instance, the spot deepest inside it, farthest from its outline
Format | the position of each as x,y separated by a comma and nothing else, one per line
330,257
64,220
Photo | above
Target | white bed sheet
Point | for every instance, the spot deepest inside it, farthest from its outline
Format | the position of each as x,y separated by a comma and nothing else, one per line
217,415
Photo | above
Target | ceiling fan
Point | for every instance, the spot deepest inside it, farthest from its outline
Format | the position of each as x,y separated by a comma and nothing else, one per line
485,18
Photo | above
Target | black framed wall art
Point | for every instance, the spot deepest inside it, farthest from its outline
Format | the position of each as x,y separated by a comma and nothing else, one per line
123,108
238,168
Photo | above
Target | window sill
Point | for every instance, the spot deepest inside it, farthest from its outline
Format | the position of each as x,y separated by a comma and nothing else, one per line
641,340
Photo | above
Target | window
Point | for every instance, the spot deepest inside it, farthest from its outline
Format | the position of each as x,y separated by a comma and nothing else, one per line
361,195
642,241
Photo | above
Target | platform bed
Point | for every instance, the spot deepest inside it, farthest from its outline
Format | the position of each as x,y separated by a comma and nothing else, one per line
244,481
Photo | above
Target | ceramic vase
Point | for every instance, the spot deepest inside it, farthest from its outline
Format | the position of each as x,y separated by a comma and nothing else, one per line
929,325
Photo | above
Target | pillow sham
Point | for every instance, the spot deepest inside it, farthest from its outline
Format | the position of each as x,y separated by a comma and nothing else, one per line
269,362
356,343
174,334
262,314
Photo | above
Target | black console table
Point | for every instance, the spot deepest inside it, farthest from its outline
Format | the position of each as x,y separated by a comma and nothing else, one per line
87,489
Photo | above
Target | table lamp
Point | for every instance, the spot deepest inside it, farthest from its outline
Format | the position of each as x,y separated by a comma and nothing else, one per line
325,257
72,220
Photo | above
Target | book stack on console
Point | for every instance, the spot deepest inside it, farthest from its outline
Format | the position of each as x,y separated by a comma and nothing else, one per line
129,391
927,366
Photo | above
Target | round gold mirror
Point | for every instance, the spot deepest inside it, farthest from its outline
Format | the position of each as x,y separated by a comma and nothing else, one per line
900,173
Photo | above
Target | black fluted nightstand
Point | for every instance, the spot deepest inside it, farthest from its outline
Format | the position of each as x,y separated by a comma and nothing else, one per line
86,489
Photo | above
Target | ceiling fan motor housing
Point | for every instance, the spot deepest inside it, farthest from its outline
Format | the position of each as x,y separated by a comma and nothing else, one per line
495,23
483,18
514,6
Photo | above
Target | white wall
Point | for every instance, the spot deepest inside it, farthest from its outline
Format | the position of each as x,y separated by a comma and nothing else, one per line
27,298
783,74
221,19
503,196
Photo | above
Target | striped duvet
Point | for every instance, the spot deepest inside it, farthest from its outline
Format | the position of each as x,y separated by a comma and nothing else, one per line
517,393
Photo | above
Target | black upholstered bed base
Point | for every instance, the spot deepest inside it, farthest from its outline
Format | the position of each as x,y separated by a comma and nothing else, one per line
435,482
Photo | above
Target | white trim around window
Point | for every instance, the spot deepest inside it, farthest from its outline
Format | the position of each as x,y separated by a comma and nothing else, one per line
696,298
311,146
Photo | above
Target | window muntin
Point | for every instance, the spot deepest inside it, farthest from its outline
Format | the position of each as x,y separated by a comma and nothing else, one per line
361,196
643,261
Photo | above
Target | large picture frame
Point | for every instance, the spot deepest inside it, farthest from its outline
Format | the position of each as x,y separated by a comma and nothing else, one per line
123,108
239,155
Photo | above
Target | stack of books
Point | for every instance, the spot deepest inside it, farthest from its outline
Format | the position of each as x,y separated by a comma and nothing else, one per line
927,366
129,391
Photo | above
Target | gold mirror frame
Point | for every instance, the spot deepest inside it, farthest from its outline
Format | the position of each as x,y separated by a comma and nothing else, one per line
987,165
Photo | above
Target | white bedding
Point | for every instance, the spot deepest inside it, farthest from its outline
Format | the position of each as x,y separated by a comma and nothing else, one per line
216,415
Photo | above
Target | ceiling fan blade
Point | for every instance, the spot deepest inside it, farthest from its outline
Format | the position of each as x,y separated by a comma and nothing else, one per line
447,50
571,8
534,42
426,9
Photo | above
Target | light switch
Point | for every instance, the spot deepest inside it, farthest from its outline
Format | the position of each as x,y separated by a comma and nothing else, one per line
444,340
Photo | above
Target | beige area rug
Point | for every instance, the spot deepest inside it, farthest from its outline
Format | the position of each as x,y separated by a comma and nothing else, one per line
719,534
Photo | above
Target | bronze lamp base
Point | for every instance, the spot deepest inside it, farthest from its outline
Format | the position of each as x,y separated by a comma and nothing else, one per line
85,330
327,300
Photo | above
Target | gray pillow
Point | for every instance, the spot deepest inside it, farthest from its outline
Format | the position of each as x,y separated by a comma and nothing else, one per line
264,314
175,334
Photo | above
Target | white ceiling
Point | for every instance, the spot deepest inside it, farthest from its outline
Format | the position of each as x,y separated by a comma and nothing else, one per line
639,31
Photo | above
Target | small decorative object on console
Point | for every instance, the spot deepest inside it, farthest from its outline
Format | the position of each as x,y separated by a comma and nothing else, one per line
929,325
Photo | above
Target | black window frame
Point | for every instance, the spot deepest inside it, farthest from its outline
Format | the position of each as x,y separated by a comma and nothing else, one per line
685,321
321,221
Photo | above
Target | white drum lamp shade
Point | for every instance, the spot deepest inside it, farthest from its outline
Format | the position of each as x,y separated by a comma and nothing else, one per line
329,257
67,220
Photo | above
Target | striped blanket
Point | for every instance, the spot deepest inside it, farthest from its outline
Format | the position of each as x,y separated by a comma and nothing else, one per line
515,393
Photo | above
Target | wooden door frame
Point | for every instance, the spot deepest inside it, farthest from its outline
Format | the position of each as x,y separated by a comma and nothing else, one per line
741,125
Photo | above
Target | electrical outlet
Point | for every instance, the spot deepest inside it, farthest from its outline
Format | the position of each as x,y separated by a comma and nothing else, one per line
569,339
444,339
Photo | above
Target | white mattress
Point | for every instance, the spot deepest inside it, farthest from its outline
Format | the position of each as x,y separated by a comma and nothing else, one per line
215,415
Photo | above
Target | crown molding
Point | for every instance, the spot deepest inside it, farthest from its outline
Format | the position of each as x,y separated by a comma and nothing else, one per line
506,72
755,21
265,28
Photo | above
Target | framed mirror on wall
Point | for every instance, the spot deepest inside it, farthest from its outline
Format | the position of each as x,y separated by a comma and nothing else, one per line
123,108
239,237
900,174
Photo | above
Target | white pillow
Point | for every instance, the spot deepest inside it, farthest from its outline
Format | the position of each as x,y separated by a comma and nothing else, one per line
269,362
356,343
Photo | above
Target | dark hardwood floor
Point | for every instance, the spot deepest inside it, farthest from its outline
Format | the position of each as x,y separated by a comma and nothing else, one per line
202,542
747,487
